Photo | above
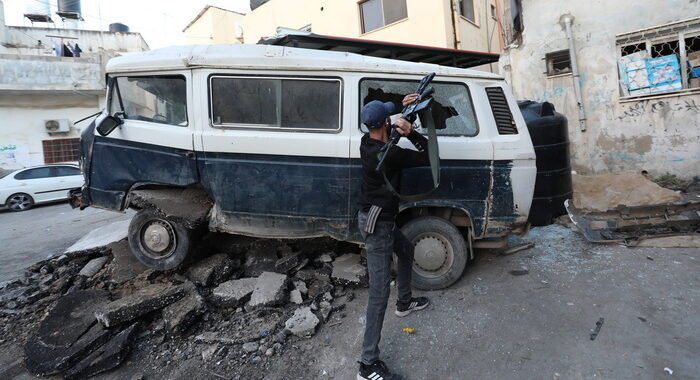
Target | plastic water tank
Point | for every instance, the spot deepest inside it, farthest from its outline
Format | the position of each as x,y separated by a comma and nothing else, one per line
118,27
69,9
550,136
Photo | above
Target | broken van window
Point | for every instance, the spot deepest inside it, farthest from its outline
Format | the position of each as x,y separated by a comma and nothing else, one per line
158,99
452,109
276,103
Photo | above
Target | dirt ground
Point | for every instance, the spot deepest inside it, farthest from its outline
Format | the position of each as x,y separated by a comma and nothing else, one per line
524,316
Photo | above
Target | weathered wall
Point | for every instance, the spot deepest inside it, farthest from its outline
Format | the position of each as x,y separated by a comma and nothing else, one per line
659,134
215,26
22,119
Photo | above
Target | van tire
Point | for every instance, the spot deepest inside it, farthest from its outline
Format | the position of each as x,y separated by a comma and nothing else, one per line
441,252
170,244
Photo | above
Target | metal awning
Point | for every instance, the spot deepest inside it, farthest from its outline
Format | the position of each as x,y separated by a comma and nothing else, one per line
405,52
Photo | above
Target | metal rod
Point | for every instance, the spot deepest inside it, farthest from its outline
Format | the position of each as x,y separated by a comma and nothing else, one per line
568,20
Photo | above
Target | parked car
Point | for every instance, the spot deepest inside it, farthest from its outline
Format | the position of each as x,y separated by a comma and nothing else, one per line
264,141
21,189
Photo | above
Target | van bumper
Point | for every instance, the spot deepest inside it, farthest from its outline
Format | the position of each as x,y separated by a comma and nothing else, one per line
78,199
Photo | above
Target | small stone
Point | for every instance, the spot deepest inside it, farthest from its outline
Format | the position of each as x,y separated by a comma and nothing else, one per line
318,287
250,347
325,258
256,359
209,352
45,269
327,297
93,266
281,336
295,297
301,287
303,323
270,351
287,263
325,308
347,270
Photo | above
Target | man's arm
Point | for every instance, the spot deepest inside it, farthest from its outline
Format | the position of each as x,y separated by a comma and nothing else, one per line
407,158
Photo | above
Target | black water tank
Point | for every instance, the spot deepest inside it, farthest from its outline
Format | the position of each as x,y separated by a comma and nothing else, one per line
550,136
118,27
256,3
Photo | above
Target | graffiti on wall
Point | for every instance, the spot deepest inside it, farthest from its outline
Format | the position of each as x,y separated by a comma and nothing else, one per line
659,106
13,156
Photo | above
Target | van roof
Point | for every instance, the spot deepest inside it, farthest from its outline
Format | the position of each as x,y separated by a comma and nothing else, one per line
261,57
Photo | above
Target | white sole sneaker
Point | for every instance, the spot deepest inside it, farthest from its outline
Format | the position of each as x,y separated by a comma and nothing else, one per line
407,312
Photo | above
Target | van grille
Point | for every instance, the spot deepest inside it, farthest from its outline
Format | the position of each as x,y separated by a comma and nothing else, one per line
501,111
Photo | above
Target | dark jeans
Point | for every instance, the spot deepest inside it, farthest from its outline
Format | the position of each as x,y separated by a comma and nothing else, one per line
385,240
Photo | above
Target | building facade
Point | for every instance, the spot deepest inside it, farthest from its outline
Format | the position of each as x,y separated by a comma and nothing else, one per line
456,24
214,25
50,78
627,76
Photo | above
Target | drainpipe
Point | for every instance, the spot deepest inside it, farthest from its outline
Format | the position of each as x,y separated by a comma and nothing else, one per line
567,20
455,23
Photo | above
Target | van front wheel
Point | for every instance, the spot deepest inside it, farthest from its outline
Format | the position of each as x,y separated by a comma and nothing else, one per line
157,242
440,252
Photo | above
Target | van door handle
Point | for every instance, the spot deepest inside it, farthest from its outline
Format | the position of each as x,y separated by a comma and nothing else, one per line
189,155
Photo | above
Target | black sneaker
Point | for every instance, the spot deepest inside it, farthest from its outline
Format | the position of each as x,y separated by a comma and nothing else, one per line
376,371
405,308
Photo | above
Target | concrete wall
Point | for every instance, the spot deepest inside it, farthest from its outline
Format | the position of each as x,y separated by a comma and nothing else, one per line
214,26
22,119
658,134
25,40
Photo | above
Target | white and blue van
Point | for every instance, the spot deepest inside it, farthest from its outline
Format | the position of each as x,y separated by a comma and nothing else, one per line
264,141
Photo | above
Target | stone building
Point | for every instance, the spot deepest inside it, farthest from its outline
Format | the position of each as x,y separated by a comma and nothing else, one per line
43,95
637,69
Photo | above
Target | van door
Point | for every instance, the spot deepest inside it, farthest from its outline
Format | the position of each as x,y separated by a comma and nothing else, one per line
274,155
153,145
466,151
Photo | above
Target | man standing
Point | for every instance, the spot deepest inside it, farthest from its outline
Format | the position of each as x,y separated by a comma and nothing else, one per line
376,221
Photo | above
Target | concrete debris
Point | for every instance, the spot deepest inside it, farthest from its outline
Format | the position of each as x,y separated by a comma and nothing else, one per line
319,287
303,323
106,357
211,270
209,352
300,286
139,303
101,236
124,265
606,191
93,266
235,292
325,258
183,313
295,297
347,270
67,334
325,309
250,347
288,263
261,257
269,290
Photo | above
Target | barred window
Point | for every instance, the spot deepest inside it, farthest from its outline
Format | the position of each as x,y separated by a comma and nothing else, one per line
660,60
61,150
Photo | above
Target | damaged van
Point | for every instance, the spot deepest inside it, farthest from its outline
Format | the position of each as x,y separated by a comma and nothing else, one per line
264,141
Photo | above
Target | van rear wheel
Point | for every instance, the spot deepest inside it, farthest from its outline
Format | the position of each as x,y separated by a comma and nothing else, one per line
440,252
157,242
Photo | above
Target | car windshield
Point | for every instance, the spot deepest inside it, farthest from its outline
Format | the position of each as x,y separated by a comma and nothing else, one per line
4,173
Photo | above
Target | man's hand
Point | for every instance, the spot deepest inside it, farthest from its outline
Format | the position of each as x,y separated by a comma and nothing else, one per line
403,127
408,99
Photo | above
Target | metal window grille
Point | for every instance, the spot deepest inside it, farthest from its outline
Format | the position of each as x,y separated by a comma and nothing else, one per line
60,150
558,62
660,59
501,111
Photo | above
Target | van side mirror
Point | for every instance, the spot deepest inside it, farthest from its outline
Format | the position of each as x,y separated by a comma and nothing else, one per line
108,124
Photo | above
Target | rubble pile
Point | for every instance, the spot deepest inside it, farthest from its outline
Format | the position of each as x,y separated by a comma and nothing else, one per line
237,305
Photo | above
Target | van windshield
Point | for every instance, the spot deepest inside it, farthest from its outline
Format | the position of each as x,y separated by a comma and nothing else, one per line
158,99
452,109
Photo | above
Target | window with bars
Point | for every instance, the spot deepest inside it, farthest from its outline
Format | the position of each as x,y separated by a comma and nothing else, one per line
558,62
60,150
660,60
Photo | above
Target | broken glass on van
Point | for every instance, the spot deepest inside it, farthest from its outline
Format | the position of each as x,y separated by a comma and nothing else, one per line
275,103
452,109
158,99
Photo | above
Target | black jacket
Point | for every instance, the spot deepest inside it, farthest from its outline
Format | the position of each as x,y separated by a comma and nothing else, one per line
374,191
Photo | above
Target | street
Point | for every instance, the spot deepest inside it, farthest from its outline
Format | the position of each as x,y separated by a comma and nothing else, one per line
32,235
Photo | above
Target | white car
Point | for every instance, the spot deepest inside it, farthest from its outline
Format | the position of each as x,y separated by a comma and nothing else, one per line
21,189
